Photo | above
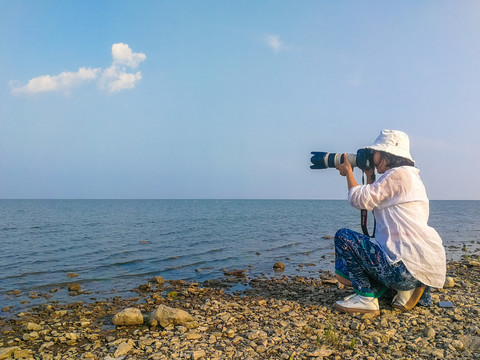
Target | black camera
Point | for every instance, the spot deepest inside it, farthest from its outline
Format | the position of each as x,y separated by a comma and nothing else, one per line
323,160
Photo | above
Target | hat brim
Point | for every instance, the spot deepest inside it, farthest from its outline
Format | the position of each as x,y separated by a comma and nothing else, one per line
391,150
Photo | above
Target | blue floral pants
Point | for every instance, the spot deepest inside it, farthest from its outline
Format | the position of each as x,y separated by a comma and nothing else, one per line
361,261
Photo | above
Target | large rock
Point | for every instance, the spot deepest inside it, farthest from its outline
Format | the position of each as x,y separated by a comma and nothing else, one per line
471,343
129,316
124,348
6,353
166,316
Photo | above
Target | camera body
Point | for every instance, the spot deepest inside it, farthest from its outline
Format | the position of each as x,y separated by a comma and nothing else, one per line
363,159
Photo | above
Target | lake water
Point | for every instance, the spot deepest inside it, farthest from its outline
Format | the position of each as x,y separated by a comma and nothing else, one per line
115,245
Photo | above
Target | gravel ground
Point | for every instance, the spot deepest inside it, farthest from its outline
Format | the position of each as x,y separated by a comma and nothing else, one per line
288,317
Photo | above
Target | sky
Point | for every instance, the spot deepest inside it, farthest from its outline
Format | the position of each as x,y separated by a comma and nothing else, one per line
226,99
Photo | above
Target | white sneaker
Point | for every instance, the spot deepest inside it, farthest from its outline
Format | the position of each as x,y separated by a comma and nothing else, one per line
358,304
406,300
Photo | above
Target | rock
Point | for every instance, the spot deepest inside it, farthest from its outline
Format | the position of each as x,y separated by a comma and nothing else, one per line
458,345
75,287
320,353
60,313
357,326
279,266
235,272
129,316
193,336
47,345
474,263
165,316
33,327
14,292
158,280
124,348
145,287
430,332
471,343
6,353
33,335
449,282
198,354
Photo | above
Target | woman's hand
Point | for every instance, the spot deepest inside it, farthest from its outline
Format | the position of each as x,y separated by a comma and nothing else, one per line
345,168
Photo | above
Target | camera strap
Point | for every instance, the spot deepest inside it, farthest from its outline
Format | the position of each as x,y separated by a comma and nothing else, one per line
363,222
364,216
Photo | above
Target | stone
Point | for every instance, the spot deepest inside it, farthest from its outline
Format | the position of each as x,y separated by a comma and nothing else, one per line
60,313
124,348
279,266
471,343
75,287
33,327
235,272
159,280
430,332
458,345
193,336
33,335
127,317
449,282
14,292
166,316
198,354
6,353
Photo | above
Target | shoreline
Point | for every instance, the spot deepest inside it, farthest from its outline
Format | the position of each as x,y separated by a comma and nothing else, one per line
18,299
289,317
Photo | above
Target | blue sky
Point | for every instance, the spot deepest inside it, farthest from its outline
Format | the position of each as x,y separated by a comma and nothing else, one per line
226,99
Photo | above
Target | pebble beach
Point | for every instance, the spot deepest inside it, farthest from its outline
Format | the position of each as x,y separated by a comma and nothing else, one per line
237,317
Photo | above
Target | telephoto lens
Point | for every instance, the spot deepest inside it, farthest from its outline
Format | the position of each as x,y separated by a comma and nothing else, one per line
324,160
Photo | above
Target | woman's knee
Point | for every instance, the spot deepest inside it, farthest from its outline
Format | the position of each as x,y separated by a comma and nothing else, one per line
342,234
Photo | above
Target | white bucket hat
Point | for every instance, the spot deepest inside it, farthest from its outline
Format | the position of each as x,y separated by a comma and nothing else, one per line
394,142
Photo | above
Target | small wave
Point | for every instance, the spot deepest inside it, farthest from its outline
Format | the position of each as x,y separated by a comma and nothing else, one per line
124,263
8,228
187,265
26,274
286,246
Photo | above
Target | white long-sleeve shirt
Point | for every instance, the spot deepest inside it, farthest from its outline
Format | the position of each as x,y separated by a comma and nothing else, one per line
401,209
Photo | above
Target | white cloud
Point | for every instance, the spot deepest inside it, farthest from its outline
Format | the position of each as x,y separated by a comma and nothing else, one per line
112,79
116,77
274,42
123,55
62,82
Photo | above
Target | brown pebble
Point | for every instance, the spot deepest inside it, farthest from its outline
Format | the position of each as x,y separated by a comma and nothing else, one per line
74,287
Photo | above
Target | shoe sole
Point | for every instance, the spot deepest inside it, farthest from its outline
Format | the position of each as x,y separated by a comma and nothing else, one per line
352,310
410,304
